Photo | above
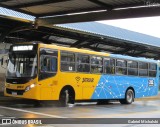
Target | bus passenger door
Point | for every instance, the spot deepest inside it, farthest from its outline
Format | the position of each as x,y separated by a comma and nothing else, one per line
47,74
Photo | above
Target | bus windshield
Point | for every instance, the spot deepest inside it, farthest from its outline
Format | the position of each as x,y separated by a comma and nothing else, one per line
22,65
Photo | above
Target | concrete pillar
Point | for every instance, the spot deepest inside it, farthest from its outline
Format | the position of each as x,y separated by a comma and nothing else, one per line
3,47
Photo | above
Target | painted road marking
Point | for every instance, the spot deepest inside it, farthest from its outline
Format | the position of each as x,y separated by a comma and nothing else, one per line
122,114
37,113
6,116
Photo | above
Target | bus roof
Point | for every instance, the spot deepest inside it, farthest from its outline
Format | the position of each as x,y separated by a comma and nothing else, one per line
142,59
98,53
86,51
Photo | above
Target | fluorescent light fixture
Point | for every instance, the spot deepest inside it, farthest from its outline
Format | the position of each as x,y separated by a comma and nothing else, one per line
23,48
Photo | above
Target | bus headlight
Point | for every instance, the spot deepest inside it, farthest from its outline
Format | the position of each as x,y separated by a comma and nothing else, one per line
30,87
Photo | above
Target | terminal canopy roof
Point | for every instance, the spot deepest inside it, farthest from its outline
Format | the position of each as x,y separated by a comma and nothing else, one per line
109,39
69,11
90,35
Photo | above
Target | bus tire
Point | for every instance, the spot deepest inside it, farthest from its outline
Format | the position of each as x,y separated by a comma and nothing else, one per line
129,97
66,97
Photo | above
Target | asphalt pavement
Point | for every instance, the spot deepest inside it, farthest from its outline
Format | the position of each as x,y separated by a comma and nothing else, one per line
114,112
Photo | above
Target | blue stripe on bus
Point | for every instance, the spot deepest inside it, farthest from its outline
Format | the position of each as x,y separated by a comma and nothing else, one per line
114,87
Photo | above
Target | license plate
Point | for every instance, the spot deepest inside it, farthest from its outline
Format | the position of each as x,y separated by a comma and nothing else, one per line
14,93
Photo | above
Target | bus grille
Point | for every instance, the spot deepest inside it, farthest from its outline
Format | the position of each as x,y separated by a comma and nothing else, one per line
19,92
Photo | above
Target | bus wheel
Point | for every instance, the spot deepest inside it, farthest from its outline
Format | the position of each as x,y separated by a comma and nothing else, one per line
129,97
66,98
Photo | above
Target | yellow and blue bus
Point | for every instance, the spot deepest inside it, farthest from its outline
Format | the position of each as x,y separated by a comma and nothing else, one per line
51,72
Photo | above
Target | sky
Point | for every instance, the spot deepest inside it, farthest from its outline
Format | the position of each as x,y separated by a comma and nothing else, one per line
147,25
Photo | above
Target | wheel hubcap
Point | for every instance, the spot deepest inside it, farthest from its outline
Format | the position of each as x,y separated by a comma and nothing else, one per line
66,97
129,97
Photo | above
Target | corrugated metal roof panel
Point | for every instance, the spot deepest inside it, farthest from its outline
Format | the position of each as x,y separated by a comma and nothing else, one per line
61,6
114,32
121,2
67,6
8,12
17,2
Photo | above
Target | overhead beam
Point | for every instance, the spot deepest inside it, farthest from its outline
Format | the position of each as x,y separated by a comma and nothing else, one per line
141,55
4,34
126,50
141,52
102,4
30,37
57,42
110,50
4,0
99,49
38,3
77,43
137,4
105,15
70,11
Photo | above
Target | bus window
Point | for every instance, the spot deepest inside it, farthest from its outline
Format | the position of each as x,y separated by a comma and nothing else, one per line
48,63
121,63
22,65
143,72
121,67
143,65
132,68
83,63
152,70
132,64
143,69
96,64
48,66
67,61
109,66
132,71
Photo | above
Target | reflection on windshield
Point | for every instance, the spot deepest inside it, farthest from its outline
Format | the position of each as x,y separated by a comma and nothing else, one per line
22,65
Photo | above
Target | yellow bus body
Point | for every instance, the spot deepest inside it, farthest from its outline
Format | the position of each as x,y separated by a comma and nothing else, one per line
87,86
49,89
